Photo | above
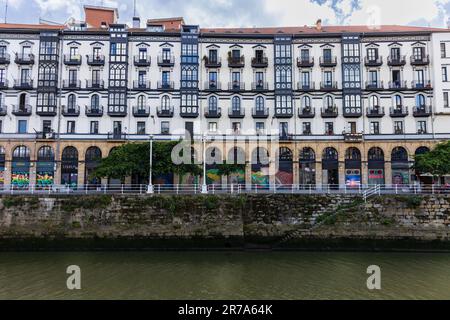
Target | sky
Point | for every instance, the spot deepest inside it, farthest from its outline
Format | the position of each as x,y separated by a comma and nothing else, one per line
244,13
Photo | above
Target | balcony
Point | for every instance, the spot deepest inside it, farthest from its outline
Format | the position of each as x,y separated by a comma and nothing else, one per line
5,58
236,86
46,110
422,111
329,112
24,58
71,84
164,112
166,61
377,62
4,84
117,110
285,137
396,61
213,86
352,137
23,84
260,62
70,111
117,136
95,60
260,86
398,112
213,113
236,113
94,111
141,111
420,60
212,63
189,111
374,85
375,112
305,62
48,135
165,85
328,62
306,112
260,113
421,85
72,59
141,85
398,85
306,86
329,86
22,110
236,62
95,84
140,61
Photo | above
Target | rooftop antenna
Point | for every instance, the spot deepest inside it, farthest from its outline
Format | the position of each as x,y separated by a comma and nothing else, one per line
6,9
134,8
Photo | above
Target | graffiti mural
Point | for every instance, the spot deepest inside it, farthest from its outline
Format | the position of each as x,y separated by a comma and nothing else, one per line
237,177
213,176
20,179
260,178
44,179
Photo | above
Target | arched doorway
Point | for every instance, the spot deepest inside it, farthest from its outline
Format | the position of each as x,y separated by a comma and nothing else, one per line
92,160
423,177
352,167
307,165
260,168
2,167
20,171
376,166
69,167
236,156
45,167
213,158
330,168
284,175
400,166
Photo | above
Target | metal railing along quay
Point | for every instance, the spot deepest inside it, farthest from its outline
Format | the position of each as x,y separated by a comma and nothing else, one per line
93,189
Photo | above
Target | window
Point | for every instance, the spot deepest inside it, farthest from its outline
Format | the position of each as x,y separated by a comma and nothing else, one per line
283,75
142,78
94,127
306,79
140,127
328,78
1,126
327,55
444,74
351,50
2,76
142,54
421,127
165,128
373,78
259,126
446,102
212,56
212,104
73,77
329,128
236,127
395,54
374,127
398,127
236,104
282,51
259,104
212,80
420,101
306,128
372,54
419,53
47,126
22,126
284,129
304,54
212,126
96,52
443,50
71,127
74,53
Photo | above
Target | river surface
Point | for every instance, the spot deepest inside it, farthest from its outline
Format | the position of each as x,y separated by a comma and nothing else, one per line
224,275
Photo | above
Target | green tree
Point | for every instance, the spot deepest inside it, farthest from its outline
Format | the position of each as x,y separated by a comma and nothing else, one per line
436,162
132,159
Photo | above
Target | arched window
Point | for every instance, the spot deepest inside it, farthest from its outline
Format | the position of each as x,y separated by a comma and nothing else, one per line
45,153
330,154
21,152
22,100
399,154
306,102
69,166
259,104
420,100
95,101
70,154
71,101
374,101
260,156
165,102
213,156
93,154
141,102
212,104
352,154
328,102
236,155
398,101
236,104
285,154
422,150
307,154
376,154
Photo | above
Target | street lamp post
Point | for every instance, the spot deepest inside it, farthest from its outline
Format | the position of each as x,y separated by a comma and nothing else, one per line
150,182
204,186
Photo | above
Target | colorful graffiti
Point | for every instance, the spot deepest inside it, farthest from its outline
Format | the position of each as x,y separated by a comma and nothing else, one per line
376,176
237,177
44,179
20,179
188,179
353,178
400,177
284,178
2,178
213,176
261,178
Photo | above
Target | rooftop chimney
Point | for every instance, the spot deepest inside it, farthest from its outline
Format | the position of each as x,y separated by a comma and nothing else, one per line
319,25
136,22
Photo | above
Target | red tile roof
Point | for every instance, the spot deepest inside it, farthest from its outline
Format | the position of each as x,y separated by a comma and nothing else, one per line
31,26
325,29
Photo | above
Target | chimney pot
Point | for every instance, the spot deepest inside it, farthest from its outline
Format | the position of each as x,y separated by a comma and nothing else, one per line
136,22
319,25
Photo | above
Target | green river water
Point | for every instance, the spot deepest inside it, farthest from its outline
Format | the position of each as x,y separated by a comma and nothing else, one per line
224,275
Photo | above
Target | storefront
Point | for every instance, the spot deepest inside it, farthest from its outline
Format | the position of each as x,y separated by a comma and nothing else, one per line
330,168
284,175
376,167
236,157
20,171
45,167
69,167
260,168
352,168
92,160
307,166
400,166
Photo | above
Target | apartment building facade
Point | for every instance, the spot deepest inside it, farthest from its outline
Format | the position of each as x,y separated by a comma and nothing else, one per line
313,105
